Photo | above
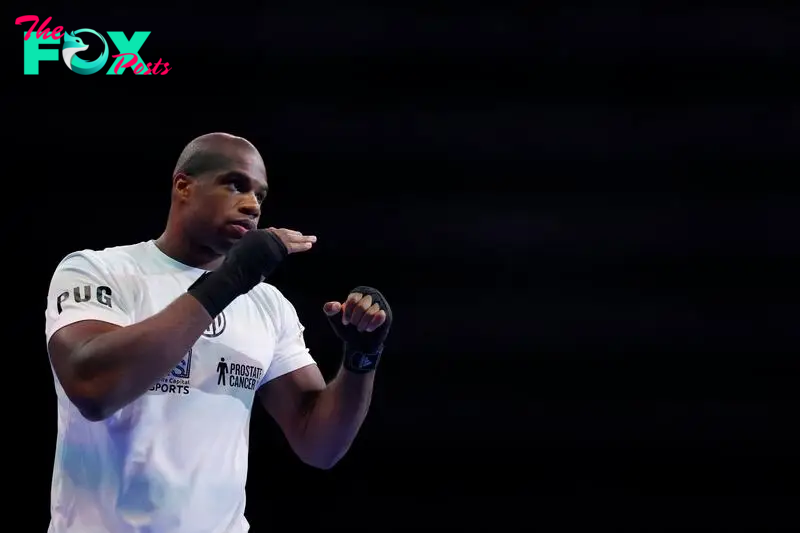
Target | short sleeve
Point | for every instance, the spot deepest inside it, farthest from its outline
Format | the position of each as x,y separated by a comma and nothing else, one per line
290,352
83,289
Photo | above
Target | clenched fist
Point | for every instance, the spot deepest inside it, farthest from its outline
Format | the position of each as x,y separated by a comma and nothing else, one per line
363,326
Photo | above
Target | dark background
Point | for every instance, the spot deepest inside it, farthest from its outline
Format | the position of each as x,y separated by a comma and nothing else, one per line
565,207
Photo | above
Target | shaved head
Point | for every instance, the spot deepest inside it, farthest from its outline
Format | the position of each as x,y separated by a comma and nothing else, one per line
218,187
213,152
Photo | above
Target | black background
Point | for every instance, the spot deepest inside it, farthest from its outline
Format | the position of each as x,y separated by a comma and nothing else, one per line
566,208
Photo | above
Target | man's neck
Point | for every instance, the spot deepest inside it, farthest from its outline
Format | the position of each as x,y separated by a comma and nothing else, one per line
182,249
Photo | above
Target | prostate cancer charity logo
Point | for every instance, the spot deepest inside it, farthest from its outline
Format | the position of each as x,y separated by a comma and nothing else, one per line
128,56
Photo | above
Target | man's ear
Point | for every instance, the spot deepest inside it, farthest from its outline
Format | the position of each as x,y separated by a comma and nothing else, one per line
182,185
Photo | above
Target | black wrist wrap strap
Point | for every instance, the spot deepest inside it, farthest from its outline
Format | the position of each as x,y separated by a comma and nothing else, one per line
214,291
360,361
252,259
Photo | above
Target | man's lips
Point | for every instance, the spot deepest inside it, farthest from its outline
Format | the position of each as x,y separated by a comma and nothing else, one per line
243,226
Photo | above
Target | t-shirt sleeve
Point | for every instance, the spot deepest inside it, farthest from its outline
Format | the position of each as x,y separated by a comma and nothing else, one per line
83,289
290,352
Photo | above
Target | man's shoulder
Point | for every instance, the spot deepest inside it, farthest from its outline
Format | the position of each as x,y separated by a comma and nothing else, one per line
274,304
269,295
113,258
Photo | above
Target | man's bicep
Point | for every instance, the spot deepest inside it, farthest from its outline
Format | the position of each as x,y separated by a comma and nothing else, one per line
288,397
292,378
290,351
65,343
81,290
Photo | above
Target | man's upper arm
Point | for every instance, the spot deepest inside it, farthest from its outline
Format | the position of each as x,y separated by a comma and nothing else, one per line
83,290
293,374
291,352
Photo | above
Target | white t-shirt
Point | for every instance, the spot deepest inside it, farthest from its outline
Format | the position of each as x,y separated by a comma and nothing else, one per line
174,460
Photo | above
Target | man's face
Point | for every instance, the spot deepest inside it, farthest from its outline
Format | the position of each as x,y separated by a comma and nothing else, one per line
225,204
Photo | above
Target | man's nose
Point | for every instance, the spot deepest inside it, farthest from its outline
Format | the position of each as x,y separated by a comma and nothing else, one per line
250,207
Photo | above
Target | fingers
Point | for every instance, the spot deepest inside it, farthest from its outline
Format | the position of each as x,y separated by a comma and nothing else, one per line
301,244
359,311
294,240
285,230
354,308
377,320
331,308
373,319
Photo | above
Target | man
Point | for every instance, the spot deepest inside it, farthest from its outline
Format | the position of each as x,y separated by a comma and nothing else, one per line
159,348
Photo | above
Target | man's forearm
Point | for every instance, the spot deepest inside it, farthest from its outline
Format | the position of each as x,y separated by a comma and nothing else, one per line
119,366
335,417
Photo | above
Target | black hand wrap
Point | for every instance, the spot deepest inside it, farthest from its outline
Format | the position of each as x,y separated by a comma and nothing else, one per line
248,262
362,350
